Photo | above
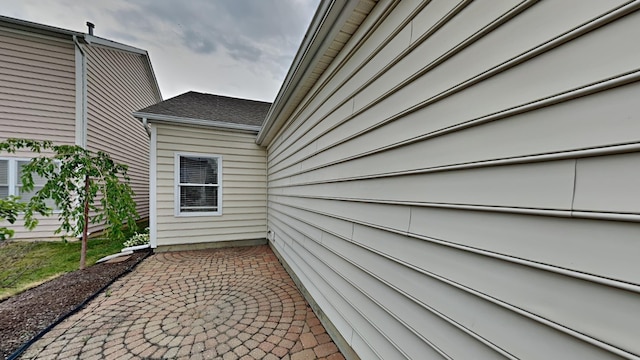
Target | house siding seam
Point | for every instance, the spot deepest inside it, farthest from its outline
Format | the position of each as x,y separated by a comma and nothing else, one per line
382,185
243,186
119,83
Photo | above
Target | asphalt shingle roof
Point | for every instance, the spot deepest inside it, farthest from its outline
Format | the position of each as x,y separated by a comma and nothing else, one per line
196,105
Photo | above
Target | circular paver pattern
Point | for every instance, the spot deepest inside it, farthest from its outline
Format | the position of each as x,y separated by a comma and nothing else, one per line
250,306
234,303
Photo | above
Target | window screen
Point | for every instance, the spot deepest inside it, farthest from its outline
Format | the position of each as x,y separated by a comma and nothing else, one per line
199,184
4,178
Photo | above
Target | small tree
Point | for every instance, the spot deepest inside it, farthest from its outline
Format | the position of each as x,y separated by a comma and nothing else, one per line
86,187
9,210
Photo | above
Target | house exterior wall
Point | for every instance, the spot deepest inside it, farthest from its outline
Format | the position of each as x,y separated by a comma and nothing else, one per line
243,186
119,83
462,182
37,99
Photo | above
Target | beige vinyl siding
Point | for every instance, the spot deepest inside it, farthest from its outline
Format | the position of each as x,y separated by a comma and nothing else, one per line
37,100
37,87
243,186
119,83
462,182
45,230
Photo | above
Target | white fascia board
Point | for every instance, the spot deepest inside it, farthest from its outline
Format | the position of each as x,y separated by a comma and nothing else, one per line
326,24
153,77
40,27
168,119
94,40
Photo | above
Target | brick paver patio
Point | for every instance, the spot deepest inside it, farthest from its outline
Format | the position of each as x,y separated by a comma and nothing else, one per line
234,303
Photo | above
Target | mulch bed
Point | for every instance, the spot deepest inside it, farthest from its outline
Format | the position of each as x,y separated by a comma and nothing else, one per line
23,316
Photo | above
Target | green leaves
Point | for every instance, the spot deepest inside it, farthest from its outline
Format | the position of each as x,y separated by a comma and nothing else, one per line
65,168
9,210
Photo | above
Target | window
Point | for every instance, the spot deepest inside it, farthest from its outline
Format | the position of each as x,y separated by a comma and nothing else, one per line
198,184
10,183
4,178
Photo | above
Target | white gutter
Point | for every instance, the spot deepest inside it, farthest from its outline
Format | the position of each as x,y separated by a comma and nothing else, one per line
326,23
41,27
81,94
168,119
94,40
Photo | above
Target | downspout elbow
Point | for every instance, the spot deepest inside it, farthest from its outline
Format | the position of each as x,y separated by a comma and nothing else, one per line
75,41
145,124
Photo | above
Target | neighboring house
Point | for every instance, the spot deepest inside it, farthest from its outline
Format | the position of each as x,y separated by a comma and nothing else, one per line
207,175
72,88
461,179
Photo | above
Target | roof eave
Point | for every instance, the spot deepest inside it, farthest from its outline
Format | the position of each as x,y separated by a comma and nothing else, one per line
51,30
173,120
325,24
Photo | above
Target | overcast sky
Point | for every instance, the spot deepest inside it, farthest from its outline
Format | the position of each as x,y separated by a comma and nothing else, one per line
240,48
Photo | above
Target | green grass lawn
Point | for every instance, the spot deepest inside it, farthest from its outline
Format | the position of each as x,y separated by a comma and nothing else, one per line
26,264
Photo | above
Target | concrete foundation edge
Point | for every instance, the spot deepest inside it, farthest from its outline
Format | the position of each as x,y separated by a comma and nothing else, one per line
337,338
209,245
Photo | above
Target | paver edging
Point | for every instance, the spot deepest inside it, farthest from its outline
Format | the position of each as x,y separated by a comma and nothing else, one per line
209,245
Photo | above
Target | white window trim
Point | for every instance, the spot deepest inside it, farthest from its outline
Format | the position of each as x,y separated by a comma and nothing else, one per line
176,185
14,181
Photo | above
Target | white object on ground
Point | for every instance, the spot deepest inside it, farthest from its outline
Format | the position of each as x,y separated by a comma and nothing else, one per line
109,257
134,248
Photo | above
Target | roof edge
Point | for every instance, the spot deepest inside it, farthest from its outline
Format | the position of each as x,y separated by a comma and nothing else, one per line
91,40
324,22
38,26
168,119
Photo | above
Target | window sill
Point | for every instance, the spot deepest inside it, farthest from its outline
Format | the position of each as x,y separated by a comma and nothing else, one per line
198,214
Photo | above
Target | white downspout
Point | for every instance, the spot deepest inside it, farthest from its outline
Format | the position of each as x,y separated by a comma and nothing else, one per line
81,95
153,187
145,124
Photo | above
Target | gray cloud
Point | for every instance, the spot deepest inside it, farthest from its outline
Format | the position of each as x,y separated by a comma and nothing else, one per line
197,42
246,29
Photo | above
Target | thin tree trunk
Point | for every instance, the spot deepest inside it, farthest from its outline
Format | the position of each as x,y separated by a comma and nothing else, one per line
83,250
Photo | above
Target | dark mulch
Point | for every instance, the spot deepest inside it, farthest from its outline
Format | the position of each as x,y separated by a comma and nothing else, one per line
23,316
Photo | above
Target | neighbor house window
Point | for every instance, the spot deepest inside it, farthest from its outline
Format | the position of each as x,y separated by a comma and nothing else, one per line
10,183
198,184
4,178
